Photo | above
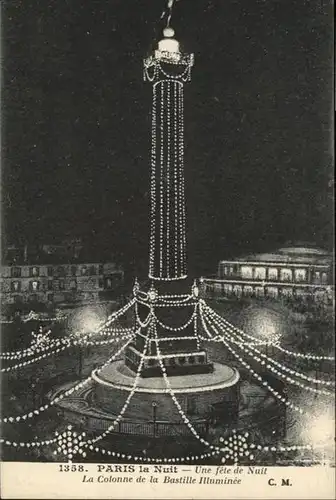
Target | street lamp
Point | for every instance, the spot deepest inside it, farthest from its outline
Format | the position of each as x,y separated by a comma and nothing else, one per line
154,406
85,321
319,432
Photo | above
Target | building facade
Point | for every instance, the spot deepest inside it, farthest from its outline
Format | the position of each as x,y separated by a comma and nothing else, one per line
57,284
298,272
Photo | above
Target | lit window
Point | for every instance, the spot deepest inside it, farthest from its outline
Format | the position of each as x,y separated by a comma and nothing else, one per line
34,285
272,273
15,286
246,272
73,284
34,271
84,271
272,291
286,275
260,273
324,278
300,275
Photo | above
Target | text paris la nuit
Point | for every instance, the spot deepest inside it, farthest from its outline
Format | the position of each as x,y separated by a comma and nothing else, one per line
111,473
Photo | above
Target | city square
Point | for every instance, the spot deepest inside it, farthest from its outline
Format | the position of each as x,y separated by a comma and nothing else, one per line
108,360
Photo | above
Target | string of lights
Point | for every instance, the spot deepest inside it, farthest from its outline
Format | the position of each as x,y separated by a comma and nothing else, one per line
172,394
233,331
128,399
274,344
31,361
57,399
246,365
177,328
271,368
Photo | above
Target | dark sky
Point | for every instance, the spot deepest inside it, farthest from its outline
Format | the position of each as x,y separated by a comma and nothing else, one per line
76,124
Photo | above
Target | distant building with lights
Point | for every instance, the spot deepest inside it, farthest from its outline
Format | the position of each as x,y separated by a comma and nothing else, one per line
58,281
300,272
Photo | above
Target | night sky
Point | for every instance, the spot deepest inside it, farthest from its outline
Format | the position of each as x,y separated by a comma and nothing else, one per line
76,124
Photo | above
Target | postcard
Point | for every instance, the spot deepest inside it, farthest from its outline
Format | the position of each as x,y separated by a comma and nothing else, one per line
167,293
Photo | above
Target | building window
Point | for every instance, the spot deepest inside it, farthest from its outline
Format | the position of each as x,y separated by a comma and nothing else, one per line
246,272
61,284
15,272
92,270
259,290
300,275
50,284
101,269
287,292
260,273
50,271
84,271
50,297
324,278
101,283
248,290
73,284
272,292
15,286
34,271
61,271
34,286
33,297
317,276
272,273
237,290
286,275
108,283
73,270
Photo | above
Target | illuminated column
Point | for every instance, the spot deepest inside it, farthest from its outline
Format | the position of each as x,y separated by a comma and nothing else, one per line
167,69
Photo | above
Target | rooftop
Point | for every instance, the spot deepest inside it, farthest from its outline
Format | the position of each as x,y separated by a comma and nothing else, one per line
291,254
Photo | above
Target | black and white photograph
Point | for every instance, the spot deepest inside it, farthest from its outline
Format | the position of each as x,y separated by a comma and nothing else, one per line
167,244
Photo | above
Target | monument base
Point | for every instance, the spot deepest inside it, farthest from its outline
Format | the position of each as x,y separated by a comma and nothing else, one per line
198,394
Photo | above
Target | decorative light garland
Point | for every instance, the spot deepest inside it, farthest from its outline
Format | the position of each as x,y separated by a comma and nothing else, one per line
232,330
81,384
29,362
250,369
168,244
175,400
276,345
128,399
177,328
277,372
